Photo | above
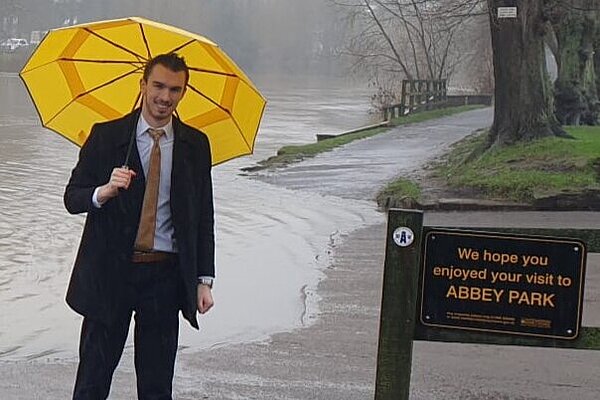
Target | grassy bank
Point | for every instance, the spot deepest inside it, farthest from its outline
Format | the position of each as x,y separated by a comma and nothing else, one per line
291,154
523,172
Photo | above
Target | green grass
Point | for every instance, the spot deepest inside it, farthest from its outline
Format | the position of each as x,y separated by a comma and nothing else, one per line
522,172
290,154
527,170
401,191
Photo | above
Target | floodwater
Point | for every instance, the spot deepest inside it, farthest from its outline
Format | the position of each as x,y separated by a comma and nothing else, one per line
272,242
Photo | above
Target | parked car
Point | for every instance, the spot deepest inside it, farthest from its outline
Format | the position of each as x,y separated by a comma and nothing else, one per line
12,44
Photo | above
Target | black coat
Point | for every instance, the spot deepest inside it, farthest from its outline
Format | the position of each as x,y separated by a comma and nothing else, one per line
97,282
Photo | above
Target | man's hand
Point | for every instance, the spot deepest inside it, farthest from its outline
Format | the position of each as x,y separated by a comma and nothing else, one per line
119,179
205,299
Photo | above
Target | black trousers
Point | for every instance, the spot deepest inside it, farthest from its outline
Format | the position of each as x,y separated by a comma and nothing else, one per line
154,294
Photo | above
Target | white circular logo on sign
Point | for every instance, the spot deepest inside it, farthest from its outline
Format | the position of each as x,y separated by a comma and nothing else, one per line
403,236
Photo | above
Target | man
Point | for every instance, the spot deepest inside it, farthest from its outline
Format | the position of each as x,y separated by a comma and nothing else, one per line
148,243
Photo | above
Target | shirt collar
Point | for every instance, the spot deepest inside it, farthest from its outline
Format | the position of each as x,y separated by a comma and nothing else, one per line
143,125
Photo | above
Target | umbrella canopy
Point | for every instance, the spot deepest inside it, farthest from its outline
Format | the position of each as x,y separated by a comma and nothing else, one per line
90,73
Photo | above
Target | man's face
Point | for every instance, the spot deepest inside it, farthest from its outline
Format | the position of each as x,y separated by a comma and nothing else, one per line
161,94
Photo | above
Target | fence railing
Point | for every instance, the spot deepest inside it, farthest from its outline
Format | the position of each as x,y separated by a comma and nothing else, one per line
417,95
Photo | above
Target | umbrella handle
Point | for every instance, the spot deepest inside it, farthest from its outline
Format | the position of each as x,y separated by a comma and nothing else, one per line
131,139
126,163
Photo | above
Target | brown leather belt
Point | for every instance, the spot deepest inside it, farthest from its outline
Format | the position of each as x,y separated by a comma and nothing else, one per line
152,257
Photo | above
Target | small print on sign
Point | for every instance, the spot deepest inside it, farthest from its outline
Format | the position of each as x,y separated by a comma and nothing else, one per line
403,236
507,12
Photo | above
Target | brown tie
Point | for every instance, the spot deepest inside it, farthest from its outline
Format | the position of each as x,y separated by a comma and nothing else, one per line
147,227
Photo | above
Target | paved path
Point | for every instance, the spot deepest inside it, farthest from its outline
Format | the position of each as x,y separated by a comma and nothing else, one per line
359,169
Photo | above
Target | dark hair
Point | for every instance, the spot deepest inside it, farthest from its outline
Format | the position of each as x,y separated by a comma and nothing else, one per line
171,61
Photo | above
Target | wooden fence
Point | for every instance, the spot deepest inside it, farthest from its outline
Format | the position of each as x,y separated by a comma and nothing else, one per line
417,95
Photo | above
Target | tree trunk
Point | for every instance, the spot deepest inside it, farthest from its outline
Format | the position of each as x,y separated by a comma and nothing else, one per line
576,95
523,101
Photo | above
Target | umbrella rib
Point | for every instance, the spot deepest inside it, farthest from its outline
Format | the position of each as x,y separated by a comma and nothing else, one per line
230,74
88,92
143,33
208,98
224,110
240,130
183,45
137,98
91,32
195,69
107,83
208,71
83,60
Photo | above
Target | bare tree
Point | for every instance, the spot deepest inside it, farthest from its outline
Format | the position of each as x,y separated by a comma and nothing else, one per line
475,73
405,39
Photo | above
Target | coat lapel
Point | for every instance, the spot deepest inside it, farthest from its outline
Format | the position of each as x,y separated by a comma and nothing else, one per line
178,171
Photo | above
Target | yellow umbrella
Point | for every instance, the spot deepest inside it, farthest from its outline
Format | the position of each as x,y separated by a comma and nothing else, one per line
90,73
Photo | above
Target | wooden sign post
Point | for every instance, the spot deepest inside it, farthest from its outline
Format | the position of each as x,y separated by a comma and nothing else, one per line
399,304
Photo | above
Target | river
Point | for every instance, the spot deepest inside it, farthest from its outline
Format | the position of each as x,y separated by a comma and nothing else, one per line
272,242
